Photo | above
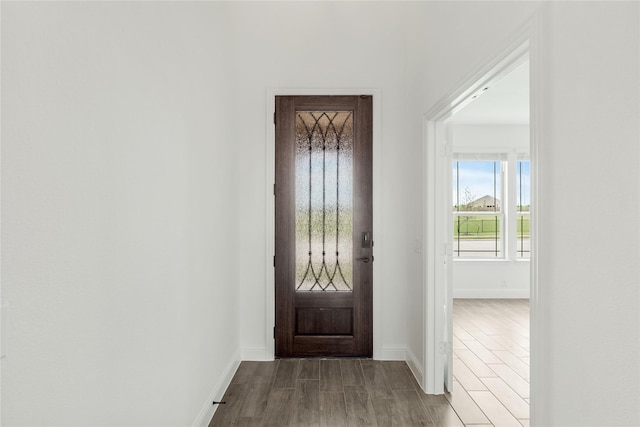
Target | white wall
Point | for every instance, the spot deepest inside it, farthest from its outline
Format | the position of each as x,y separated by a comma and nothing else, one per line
325,45
3,309
487,138
589,275
491,279
118,213
585,347
494,278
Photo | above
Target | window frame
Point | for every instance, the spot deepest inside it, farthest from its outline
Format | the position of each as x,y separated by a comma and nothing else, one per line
508,196
499,158
518,213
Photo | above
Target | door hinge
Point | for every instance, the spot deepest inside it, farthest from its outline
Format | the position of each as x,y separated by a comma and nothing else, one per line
274,332
446,150
274,189
274,118
274,260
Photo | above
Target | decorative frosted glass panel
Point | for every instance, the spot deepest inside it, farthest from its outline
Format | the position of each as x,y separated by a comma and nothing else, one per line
324,200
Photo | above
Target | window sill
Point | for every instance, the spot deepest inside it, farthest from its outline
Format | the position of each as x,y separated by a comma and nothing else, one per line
489,260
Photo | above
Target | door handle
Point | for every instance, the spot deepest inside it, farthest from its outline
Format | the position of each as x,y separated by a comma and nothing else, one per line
364,259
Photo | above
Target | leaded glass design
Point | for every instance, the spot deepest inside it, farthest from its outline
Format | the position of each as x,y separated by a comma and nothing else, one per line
324,200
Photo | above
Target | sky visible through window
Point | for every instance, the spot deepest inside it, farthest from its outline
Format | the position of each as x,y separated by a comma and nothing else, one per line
476,180
523,176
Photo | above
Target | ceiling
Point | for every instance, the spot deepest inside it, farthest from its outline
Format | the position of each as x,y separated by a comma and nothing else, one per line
506,102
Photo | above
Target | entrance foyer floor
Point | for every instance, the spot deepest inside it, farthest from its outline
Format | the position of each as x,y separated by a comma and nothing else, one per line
490,370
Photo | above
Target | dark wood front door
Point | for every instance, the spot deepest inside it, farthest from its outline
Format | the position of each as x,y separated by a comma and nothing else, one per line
323,213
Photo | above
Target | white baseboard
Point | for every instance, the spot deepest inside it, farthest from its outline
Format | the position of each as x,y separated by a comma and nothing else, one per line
259,354
491,293
416,368
391,353
255,354
206,413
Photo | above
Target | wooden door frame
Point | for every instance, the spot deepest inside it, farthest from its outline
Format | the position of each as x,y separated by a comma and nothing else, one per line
268,352
525,41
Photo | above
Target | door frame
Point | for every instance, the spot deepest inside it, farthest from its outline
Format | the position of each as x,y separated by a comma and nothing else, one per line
269,350
525,41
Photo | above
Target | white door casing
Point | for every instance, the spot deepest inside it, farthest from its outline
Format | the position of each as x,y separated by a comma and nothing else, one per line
438,231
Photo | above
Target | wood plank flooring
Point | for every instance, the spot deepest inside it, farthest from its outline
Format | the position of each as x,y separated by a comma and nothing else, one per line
490,369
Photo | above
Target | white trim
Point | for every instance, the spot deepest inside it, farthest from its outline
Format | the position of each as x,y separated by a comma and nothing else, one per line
491,293
378,352
478,213
466,153
208,409
515,52
434,252
392,353
488,260
4,325
537,118
505,60
416,367
510,194
3,319
269,217
255,354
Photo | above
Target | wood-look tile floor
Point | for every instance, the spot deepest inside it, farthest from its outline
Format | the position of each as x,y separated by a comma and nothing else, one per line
364,392
491,361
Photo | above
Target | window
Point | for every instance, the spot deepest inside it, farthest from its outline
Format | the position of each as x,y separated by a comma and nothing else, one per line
478,216
491,204
523,178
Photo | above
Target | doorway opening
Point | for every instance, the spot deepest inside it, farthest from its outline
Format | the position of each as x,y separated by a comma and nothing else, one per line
441,215
489,260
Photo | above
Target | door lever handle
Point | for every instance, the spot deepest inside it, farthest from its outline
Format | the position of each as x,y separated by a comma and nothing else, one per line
364,259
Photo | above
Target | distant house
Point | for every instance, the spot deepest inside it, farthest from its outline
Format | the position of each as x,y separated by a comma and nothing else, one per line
485,203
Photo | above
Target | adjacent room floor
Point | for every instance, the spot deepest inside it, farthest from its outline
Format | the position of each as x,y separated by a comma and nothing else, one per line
491,361
491,387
